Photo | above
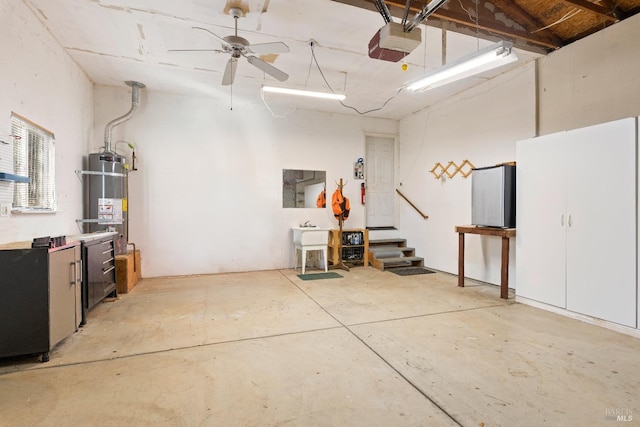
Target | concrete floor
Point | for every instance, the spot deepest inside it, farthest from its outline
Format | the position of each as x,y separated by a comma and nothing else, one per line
369,349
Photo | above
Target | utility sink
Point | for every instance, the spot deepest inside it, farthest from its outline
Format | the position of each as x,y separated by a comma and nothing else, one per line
310,239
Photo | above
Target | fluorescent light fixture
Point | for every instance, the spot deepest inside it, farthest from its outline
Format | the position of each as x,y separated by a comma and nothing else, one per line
286,91
486,59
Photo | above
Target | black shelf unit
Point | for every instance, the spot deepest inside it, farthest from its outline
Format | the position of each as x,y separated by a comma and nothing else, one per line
98,271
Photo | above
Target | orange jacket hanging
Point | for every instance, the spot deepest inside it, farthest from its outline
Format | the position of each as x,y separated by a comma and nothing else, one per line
340,205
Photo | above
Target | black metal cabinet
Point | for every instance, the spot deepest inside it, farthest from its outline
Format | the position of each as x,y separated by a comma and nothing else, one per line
40,298
99,270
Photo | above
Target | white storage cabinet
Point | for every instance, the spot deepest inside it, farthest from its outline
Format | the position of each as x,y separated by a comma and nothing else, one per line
576,218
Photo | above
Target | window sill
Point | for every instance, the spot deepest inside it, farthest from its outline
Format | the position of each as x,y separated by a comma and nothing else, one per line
32,211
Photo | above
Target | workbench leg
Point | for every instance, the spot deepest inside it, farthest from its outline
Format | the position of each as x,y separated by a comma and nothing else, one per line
461,259
504,274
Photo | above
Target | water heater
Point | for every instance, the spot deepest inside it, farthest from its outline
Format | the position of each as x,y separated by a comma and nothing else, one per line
105,196
105,183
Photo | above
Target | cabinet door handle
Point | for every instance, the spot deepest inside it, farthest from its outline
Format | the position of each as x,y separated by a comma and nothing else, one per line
79,262
108,270
73,273
562,220
569,221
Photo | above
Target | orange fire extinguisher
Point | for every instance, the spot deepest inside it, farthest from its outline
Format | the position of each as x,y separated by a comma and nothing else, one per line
362,193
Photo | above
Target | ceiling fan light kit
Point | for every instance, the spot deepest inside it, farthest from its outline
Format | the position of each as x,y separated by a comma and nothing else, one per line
486,59
299,92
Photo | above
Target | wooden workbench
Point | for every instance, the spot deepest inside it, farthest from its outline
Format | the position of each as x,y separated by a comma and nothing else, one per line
505,233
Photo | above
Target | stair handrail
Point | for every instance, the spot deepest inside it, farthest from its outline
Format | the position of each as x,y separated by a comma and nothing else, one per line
412,205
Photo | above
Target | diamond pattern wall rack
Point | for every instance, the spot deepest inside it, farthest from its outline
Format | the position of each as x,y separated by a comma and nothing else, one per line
452,169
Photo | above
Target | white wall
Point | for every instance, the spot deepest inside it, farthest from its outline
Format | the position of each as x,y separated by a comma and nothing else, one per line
39,81
207,197
591,81
480,125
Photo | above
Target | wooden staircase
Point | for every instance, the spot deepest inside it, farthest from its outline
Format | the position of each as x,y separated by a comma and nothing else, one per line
385,254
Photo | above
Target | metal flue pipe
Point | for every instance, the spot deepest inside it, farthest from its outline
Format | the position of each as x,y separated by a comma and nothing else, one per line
135,95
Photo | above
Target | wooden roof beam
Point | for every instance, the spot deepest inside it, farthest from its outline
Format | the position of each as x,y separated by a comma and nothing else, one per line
485,35
615,10
464,19
545,42
587,6
537,39
521,16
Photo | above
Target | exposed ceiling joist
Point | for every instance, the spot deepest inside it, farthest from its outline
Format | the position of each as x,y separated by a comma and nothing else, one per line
541,42
493,27
524,18
615,10
535,25
594,8
539,39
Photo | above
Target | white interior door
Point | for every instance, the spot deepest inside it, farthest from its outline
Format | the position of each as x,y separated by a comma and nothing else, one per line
379,205
541,219
601,233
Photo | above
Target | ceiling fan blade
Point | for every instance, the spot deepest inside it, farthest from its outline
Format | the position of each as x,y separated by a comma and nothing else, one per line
223,41
195,50
277,47
230,72
268,68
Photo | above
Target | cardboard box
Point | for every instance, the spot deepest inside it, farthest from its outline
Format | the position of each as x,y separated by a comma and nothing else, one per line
128,271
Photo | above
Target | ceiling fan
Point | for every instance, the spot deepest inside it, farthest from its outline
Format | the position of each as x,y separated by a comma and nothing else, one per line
238,46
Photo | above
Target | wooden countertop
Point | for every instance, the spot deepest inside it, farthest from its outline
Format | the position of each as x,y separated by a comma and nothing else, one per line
71,241
487,231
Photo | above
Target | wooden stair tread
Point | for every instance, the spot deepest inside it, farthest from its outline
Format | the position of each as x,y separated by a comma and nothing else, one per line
386,265
390,248
390,240
401,259
378,242
387,255
391,263
385,252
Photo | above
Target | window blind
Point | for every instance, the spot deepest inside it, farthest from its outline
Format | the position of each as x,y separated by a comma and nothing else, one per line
33,157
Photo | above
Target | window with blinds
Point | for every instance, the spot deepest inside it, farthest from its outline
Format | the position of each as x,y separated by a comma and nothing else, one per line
33,157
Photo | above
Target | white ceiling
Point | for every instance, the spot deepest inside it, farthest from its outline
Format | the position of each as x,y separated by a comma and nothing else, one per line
119,40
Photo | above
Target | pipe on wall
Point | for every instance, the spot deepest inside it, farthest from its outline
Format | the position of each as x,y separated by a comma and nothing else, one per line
135,98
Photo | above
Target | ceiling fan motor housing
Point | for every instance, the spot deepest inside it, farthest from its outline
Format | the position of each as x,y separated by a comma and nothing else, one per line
237,41
236,45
